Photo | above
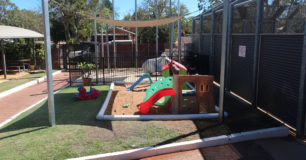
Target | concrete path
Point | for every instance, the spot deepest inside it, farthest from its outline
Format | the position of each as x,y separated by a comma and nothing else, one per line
17,102
265,149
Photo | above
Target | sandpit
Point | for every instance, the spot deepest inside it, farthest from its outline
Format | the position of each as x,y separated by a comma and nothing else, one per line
121,98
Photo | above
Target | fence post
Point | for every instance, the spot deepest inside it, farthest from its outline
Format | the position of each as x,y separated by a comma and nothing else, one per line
212,39
96,50
300,124
179,32
225,35
259,10
103,70
201,32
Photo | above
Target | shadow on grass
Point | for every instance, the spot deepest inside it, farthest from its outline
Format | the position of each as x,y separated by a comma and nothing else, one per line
68,110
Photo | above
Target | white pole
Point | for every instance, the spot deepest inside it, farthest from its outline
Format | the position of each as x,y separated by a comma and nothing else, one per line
114,36
179,32
107,46
156,38
48,61
136,35
225,34
171,27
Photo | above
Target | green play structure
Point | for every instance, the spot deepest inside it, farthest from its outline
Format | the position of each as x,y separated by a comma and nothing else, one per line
165,82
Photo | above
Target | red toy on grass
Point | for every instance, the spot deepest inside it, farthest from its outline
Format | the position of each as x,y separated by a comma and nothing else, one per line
83,95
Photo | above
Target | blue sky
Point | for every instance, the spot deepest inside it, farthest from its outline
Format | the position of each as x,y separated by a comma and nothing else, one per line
122,6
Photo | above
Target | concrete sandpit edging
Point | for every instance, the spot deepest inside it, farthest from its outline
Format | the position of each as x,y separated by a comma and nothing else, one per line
101,114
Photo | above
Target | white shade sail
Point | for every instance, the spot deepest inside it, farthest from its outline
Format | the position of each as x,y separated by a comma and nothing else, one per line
7,32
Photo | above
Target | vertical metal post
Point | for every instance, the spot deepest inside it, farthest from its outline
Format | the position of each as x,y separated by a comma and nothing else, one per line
171,28
156,36
228,50
96,50
179,31
107,46
200,34
136,36
48,61
301,110
3,59
34,52
102,41
114,36
212,50
225,35
259,16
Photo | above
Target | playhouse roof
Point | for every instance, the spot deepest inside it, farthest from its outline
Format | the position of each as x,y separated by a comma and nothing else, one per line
180,66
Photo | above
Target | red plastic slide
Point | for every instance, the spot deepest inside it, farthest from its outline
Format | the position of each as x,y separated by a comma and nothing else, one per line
146,105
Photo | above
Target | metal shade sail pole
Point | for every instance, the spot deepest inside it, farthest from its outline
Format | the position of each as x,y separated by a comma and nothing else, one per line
156,36
225,35
179,32
171,28
114,36
48,61
3,59
136,35
301,109
107,46
102,41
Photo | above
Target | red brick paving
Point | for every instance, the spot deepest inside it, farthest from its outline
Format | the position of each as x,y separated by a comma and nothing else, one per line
238,151
16,102
187,155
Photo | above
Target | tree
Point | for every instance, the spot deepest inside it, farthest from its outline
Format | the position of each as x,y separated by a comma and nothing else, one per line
208,4
72,14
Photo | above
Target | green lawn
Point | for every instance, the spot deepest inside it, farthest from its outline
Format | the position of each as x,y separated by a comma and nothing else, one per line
21,80
77,132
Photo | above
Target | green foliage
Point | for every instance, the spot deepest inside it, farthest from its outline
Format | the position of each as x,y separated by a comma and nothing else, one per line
208,4
86,68
12,16
40,53
70,21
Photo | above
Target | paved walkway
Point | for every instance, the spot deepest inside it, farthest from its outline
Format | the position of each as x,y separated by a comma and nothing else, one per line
17,102
265,149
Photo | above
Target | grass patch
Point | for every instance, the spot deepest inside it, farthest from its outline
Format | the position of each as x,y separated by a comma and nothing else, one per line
21,80
77,133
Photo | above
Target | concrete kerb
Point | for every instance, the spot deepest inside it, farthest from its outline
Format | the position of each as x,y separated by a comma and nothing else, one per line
190,145
101,114
28,84
28,108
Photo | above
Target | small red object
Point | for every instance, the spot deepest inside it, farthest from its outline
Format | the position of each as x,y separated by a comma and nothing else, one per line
167,66
83,95
146,105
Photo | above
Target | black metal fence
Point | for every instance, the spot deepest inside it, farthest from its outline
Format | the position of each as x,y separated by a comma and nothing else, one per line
264,55
126,68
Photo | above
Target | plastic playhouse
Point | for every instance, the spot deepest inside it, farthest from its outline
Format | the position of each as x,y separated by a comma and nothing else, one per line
185,98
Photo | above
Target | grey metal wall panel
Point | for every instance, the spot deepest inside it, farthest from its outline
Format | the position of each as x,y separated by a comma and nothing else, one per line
206,45
279,74
195,43
217,57
242,66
